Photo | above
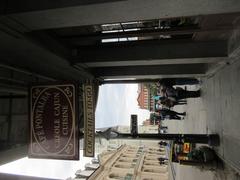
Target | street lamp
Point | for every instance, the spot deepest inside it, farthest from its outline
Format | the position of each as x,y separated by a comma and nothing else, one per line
110,133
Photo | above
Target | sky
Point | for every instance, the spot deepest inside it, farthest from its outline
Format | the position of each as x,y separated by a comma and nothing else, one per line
115,105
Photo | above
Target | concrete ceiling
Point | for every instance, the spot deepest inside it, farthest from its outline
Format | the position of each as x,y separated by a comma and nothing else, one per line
63,41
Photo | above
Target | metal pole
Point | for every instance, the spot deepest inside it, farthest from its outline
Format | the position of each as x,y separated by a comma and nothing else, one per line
211,139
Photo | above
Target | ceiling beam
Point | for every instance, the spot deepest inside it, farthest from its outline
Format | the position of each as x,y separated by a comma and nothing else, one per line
49,42
142,33
27,53
38,15
127,81
154,62
183,52
134,71
14,6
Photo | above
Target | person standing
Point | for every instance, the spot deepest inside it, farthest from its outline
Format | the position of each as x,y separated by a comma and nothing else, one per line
178,81
167,113
179,93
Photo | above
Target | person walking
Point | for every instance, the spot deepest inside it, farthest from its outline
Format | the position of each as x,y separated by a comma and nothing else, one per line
183,94
178,81
179,93
167,113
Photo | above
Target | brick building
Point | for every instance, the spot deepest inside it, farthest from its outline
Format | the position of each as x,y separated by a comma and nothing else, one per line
144,99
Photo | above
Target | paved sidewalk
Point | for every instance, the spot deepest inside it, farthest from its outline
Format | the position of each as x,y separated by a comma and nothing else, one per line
195,122
217,111
222,99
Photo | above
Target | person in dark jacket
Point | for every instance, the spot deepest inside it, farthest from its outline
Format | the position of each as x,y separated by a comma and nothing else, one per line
178,93
169,114
178,81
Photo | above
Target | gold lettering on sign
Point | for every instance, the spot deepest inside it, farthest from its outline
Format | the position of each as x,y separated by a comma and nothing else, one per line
39,113
56,102
65,120
89,121
60,119
56,126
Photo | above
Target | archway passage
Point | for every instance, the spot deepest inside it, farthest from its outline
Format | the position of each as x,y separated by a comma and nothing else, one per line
121,42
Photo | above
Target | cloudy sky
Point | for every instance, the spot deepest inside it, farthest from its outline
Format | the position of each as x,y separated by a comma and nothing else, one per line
115,105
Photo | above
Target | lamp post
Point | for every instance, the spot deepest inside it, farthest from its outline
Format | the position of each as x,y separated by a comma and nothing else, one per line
210,139
110,133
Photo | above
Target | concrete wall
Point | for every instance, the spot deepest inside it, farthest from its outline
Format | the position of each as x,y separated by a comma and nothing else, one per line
14,128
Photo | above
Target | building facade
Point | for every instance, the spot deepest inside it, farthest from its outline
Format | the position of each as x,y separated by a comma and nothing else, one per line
144,99
145,128
132,163
102,144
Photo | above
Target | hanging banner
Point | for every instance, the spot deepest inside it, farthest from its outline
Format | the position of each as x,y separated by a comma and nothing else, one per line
54,122
89,120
